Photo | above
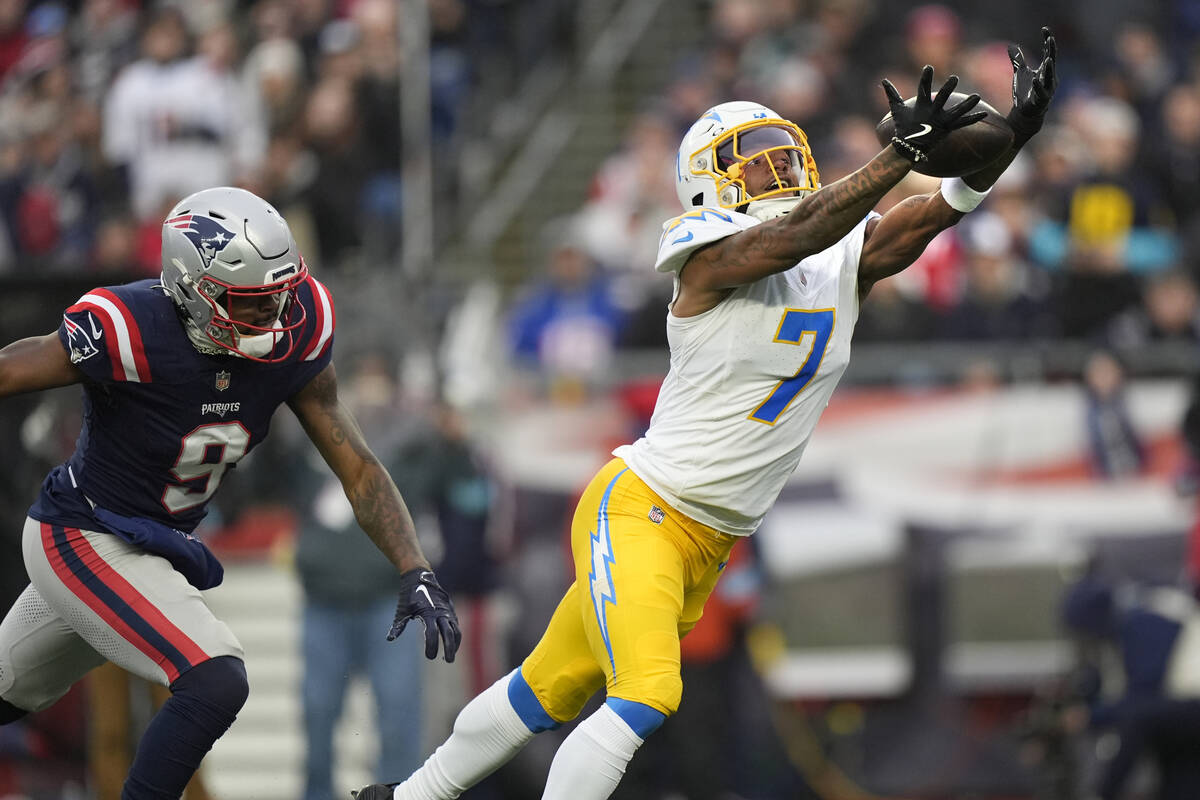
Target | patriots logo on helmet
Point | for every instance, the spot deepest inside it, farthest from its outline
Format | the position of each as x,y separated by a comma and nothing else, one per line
205,233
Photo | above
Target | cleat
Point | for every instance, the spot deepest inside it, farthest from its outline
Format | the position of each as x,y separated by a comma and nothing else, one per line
376,791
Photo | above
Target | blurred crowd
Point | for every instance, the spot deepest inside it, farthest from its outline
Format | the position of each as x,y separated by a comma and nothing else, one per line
110,110
1093,234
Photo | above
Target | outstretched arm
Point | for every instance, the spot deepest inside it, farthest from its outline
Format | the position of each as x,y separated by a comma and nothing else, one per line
1032,90
379,510
39,362
378,506
899,238
825,216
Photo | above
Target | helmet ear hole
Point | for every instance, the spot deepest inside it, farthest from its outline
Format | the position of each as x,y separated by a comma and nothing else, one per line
698,199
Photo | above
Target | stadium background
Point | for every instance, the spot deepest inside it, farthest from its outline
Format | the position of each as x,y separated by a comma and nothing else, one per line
481,183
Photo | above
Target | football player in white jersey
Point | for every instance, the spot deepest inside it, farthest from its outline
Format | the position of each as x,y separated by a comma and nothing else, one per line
769,270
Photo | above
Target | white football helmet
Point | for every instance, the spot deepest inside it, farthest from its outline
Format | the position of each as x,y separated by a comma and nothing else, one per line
715,150
226,246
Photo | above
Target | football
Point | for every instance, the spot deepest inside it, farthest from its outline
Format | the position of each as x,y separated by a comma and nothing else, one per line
965,150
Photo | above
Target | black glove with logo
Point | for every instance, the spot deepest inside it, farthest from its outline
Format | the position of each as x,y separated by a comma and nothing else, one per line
423,598
1032,88
921,126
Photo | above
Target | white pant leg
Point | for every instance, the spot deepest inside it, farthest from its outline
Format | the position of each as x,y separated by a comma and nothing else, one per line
41,656
131,606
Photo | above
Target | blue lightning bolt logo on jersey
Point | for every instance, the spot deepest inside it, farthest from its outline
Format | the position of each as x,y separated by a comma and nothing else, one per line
600,578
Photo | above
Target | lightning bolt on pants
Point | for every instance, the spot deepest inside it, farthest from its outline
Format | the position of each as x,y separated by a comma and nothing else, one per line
640,585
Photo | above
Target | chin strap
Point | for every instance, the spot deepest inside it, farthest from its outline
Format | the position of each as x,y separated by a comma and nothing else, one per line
765,210
259,346
200,341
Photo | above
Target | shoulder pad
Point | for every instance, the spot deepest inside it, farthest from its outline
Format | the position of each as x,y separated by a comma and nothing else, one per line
683,234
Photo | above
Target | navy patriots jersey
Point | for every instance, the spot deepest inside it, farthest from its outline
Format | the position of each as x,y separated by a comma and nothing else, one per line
163,422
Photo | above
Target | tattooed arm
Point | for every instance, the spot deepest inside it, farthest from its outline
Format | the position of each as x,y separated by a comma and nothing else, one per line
377,504
896,240
816,223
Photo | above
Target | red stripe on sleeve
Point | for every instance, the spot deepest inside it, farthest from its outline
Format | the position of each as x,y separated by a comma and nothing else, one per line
320,296
135,335
110,336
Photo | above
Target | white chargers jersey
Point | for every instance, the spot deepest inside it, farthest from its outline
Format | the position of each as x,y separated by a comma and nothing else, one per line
748,379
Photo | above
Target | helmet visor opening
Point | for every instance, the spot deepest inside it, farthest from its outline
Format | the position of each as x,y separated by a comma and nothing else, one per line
745,144
254,310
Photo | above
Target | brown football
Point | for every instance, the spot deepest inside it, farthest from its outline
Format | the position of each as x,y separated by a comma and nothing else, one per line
965,150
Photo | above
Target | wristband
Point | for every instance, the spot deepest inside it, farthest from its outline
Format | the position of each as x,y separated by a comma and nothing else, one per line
1023,126
961,197
908,150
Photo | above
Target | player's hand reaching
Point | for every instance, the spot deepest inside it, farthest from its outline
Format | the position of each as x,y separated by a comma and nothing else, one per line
1032,88
926,122
423,598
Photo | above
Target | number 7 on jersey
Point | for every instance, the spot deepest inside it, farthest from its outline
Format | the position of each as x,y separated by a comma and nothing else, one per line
792,329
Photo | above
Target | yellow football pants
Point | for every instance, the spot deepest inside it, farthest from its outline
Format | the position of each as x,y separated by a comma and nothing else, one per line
643,572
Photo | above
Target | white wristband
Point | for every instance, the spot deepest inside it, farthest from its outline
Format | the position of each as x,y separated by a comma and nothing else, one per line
959,196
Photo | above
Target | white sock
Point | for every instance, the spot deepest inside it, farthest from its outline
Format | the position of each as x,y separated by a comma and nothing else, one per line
591,761
487,733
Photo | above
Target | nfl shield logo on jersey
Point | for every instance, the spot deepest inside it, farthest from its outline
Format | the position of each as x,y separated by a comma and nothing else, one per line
222,382
657,515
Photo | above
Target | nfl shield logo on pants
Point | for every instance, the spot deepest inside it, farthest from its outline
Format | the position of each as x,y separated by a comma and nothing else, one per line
222,382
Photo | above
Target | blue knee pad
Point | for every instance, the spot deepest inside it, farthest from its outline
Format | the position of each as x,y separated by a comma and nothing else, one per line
528,707
643,719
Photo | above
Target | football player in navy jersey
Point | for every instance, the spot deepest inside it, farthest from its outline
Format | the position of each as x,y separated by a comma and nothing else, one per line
180,378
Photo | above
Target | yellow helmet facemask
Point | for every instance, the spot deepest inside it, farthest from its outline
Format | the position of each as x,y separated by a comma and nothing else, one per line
726,157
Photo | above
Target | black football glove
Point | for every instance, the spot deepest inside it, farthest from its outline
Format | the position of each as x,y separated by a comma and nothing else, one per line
920,127
423,598
1032,88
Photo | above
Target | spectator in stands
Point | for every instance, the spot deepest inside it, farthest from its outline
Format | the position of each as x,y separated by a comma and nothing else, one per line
933,35
275,71
567,323
115,247
1169,312
895,315
1157,712
633,190
1174,161
998,300
49,205
1114,448
180,123
350,597
451,480
335,135
377,94
450,66
1141,71
1108,222
104,39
